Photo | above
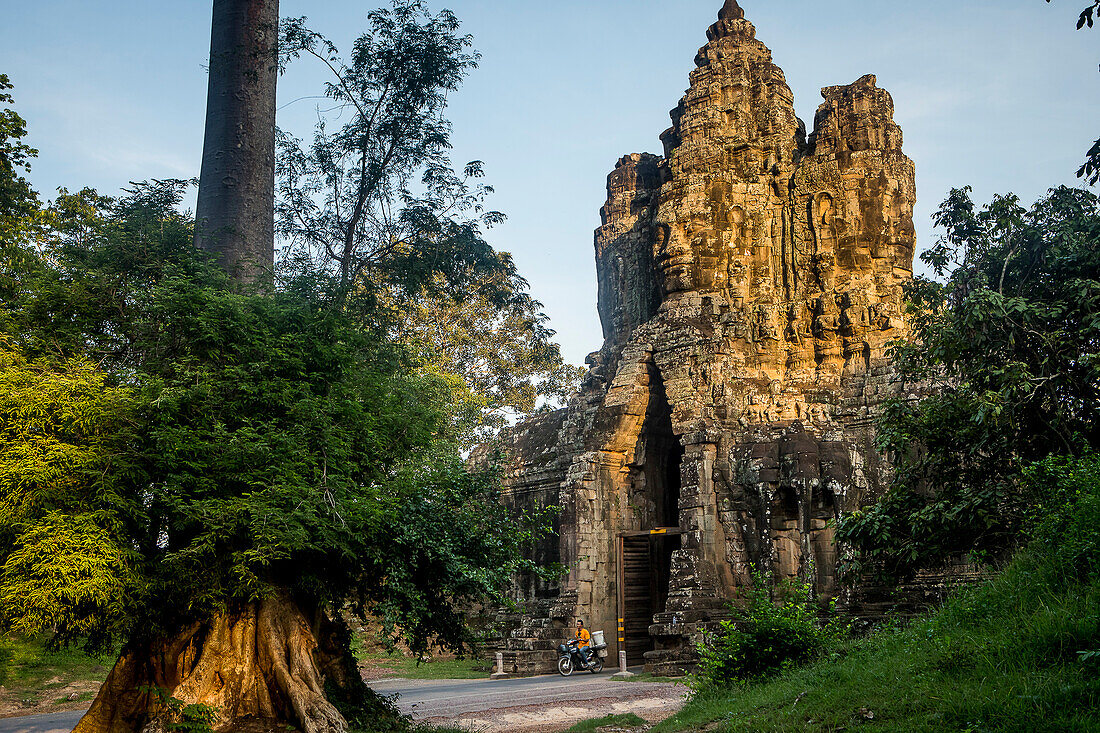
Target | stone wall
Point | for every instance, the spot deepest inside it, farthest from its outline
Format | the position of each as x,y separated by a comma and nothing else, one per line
750,281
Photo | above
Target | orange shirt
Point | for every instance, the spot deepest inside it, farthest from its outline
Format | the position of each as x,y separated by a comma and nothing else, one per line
582,637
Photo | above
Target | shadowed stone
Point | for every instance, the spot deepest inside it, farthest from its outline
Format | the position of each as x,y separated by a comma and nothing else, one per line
731,11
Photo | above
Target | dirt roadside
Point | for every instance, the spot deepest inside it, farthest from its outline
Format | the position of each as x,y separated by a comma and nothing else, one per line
56,697
653,702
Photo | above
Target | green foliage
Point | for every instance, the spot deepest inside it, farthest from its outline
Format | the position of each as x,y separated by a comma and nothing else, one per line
66,572
17,199
178,717
1067,512
449,542
6,657
1007,347
345,200
173,445
498,351
766,637
1014,653
63,430
19,207
232,443
374,200
627,720
397,664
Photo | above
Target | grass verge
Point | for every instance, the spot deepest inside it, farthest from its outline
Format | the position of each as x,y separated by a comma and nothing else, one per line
1011,654
628,720
36,678
396,665
647,677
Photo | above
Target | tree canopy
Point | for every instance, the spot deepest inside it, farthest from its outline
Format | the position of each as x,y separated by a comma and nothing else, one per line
17,199
217,445
346,200
1008,349
374,201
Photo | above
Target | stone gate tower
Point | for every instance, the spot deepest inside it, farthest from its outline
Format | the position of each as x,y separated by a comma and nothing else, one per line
750,280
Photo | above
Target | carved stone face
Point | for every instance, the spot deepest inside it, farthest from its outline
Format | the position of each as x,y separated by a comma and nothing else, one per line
696,254
898,218
675,259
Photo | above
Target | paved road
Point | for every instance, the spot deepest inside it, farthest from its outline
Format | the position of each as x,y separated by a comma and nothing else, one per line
49,723
424,699
452,698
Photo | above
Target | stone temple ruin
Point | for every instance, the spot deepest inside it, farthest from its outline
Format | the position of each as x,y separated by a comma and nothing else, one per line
750,281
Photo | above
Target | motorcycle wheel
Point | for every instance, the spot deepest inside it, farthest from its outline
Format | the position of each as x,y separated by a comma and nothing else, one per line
565,666
597,665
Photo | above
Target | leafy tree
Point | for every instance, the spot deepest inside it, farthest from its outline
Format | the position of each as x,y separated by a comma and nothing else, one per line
500,355
275,462
1008,349
346,199
294,453
17,199
19,205
376,202
1067,519
63,433
1090,169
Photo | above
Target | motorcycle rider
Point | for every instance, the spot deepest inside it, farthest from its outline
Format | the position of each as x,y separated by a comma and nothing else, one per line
584,642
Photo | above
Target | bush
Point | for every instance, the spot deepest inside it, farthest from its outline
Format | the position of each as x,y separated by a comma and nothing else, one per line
766,637
1066,515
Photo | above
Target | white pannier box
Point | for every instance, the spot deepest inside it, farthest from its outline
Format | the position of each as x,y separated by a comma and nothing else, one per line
598,644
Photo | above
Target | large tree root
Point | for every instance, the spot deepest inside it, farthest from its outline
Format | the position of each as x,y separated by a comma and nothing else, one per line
260,662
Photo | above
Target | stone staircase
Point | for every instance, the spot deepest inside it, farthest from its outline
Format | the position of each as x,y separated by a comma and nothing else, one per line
530,640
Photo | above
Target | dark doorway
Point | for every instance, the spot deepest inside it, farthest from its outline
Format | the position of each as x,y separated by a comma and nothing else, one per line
636,603
663,455
646,553
645,562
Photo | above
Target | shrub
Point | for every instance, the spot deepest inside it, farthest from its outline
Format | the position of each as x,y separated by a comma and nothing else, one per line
766,637
1066,512
175,716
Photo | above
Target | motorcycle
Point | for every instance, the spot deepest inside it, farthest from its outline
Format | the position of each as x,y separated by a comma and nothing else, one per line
571,657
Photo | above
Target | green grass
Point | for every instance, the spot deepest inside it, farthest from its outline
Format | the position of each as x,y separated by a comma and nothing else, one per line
396,664
444,669
647,677
1001,656
629,720
31,670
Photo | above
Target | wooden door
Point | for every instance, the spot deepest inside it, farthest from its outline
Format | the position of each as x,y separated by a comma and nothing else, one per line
637,596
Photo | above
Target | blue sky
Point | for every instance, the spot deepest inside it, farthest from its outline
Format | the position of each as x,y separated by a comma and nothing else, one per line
1002,95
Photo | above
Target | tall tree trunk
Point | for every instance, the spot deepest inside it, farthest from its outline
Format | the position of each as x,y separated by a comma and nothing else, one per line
236,207
267,661
271,659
